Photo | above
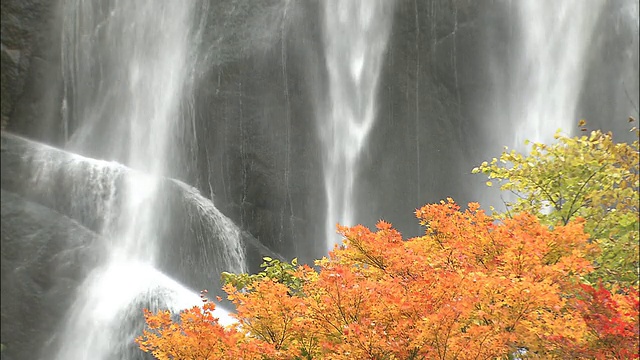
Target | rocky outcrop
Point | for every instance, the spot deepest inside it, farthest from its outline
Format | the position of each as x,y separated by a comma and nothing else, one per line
197,242
47,252
45,257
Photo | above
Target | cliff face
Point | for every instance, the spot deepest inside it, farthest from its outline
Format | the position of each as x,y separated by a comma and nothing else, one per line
249,137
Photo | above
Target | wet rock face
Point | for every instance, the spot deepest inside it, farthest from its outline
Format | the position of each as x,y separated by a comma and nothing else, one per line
18,38
45,257
46,254
611,87
427,130
30,64
257,152
197,241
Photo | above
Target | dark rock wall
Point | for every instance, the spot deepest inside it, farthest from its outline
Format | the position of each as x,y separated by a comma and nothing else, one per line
256,151
611,87
45,257
30,67
417,147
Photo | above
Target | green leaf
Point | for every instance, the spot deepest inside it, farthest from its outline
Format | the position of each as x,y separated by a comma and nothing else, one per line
593,178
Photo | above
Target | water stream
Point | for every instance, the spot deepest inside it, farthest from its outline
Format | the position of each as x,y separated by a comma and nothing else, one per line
126,66
355,41
550,65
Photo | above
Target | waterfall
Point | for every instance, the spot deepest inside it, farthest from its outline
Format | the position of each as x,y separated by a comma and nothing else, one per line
148,103
355,41
551,64
106,304
126,70
125,65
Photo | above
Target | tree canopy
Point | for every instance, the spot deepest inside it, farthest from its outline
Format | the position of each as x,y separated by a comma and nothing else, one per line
528,283
590,177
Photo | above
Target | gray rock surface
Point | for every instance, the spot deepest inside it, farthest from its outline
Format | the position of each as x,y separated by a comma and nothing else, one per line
45,256
30,67
193,232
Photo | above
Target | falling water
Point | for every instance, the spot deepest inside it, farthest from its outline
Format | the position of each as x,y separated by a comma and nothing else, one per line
126,66
99,321
125,69
355,40
551,65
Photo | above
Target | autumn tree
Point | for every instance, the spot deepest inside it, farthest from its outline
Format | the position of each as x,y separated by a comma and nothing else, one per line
519,284
196,335
612,327
469,288
591,177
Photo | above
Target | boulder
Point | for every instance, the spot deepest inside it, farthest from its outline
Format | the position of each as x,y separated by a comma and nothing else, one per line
195,242
45,257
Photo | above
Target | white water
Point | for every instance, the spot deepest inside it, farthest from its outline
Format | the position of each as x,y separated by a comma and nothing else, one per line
105,316
125,66
551,65
229,254
355,40
98,315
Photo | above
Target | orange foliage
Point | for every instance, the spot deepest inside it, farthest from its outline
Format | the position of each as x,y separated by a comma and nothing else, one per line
469,288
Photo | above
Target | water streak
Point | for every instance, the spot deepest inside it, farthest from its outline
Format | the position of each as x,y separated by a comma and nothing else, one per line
127,69
552,61
126,64
207,220
102,318
355,40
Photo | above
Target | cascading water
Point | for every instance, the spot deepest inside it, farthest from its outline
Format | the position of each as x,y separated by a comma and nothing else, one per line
126,64
125,68
355,40
538,81
551,65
